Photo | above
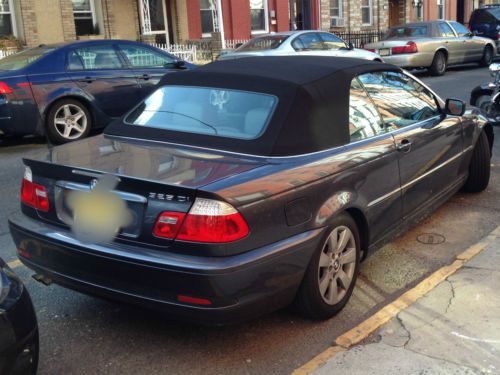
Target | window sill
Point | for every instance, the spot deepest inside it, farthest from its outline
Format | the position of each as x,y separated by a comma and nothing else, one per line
259,32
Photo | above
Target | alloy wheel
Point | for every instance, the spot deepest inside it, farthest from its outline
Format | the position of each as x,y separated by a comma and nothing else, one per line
337,264
70,121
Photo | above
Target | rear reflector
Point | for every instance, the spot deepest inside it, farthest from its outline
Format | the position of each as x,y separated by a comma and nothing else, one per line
23,253
4,88
32,194
410,47
207,221
193,300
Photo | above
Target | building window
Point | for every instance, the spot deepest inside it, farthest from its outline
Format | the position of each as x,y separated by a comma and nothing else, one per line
207,9
258,16
440,5
419,10
366,12
335,11
7,26
84,15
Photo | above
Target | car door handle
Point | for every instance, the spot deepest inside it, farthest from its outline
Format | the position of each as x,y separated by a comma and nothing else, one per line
404,146
87,80
144,77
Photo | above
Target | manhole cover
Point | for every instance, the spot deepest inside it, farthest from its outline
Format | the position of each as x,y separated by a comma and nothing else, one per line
430,238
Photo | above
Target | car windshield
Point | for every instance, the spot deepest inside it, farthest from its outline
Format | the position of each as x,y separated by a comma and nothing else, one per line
407,32
24,58
202,110
263,43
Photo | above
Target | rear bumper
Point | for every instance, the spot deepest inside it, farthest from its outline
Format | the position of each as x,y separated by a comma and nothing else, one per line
240,287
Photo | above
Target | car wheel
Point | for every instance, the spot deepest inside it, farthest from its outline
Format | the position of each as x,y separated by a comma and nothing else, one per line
479,167
438,66
68,120
332,271
487,58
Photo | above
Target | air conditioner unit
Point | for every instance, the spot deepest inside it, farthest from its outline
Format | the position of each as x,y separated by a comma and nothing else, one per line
337,22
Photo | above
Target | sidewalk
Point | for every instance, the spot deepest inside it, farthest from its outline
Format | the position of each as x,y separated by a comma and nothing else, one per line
453,329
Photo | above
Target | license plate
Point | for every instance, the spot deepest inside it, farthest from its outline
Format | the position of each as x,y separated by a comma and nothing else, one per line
384,52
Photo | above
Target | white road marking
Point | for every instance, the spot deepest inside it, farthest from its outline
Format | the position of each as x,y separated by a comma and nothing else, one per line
489,341
15,263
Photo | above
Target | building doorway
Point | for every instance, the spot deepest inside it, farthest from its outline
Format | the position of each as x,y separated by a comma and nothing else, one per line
396,12
300,15
156,20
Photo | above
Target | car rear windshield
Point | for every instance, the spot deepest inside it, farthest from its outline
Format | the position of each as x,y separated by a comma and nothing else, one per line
263,43
24,58
407,32
495,11
201,110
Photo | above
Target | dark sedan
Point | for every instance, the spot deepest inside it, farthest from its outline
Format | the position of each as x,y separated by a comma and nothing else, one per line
18,326
65,90
244,185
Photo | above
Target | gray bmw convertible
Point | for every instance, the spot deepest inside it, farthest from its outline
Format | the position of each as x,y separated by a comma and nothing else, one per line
244,185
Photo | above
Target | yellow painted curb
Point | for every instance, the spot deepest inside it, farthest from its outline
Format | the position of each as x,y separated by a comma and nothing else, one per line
364,329
15,263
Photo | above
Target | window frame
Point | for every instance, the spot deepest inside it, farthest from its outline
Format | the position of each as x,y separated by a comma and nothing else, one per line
441,7
340,10
12,15
143,13
446,24
370,7
92,12
207,35
124,63
266,19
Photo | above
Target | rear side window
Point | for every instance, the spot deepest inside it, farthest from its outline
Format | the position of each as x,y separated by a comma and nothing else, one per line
364,120
400,100
459,28
93,57
143,57
263,43
332,42
407,32
203,110
24,58
482,16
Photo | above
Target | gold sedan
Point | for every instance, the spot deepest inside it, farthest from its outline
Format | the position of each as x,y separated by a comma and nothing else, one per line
433,45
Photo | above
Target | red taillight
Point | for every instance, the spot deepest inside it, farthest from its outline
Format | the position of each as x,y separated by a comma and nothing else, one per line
193,300
371,49
410,47
4,88
32,194
168,224
207,221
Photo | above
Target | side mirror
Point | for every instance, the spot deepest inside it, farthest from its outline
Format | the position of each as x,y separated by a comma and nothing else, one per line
455,107
179,64
350,45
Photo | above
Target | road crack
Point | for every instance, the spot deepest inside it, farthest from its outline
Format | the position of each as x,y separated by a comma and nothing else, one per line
452,297
408,333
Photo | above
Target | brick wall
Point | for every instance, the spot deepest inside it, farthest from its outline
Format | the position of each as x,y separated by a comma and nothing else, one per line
68,22
351,13
29,25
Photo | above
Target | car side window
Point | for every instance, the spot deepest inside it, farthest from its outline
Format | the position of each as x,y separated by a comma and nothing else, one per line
308,42
459,28
400,100
364,120
93,57
332,42
144,57
445,30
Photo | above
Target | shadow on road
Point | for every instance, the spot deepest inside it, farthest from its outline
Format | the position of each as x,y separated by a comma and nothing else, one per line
21,141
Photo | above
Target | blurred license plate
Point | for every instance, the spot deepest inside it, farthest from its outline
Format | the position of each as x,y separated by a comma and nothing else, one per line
384,52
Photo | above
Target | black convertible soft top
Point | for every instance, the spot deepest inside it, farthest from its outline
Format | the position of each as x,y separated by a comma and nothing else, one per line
313,102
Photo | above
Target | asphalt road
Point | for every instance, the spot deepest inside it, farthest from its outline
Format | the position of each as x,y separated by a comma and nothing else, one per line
81,334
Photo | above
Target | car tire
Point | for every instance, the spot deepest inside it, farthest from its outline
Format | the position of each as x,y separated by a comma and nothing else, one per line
438,66
487,58
323,291
68,120
479,167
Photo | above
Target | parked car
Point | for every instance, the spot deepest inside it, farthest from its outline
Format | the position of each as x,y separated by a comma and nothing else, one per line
486,22
248,184
18,326
65,90
434,45
301,43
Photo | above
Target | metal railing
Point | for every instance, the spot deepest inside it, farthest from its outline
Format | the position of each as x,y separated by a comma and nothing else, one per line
360,38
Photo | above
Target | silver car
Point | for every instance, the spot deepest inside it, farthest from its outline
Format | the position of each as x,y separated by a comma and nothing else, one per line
433,45
303,43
